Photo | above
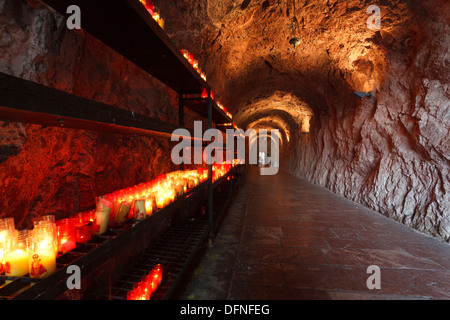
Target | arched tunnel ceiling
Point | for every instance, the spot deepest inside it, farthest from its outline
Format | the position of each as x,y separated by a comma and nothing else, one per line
269,123
244,48
285,110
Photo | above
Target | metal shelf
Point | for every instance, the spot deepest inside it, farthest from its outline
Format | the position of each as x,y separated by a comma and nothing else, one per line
142,41
175,248
26,101
126,27
175,251
91,255
200,106
178,246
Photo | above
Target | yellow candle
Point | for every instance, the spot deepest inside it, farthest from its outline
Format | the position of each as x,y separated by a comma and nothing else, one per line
160,201
122,213
2,260
41,265
17,263
148,206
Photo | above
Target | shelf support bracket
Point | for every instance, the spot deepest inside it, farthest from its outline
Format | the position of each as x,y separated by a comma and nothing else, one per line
210,177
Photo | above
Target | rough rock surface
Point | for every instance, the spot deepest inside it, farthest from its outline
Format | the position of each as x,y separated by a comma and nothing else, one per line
390,152
61,171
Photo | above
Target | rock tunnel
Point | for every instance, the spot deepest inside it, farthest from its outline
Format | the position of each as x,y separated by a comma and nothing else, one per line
357,90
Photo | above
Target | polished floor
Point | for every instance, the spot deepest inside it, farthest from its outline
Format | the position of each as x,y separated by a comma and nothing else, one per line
284,238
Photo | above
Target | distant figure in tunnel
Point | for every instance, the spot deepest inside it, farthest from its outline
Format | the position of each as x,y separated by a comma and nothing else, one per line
263,160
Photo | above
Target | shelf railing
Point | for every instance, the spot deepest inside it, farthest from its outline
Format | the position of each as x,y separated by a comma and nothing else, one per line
91,255
127,28
25,101
142,41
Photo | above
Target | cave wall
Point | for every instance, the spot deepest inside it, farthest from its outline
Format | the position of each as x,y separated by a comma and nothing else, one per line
390,152
47,170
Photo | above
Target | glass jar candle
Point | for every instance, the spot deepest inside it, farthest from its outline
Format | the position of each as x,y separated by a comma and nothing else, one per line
41,254
122,213
139,210
46,224
7,230
158,270
66,235
79,219
150,205
185,53
100,223
16,264
155,14
150,283
83,234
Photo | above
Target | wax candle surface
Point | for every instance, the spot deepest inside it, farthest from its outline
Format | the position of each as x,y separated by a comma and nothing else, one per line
42,265
16,263
67,244
100,223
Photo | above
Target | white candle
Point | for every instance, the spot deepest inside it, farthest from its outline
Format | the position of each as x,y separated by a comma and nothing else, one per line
139,209
101,221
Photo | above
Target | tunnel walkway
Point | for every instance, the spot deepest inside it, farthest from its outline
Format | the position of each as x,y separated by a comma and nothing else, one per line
285,238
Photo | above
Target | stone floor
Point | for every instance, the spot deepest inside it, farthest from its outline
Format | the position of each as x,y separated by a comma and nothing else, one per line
285,238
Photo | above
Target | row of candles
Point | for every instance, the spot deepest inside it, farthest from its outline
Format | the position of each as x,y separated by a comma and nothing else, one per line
204,94
34,252
148,284
194,63
153,11
30,252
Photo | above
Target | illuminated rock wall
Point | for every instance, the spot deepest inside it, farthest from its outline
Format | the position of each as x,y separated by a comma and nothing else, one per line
390,152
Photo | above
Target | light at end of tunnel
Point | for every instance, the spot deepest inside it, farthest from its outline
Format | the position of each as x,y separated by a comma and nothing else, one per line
305,125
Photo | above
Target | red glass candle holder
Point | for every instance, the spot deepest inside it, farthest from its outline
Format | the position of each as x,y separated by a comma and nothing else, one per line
79,219
204,93
131,295
89,216
140,292
150,283
66,235
149,6
185,53
83,234
191,58
156,273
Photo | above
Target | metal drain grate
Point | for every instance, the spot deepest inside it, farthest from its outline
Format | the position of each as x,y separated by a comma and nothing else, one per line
174,250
